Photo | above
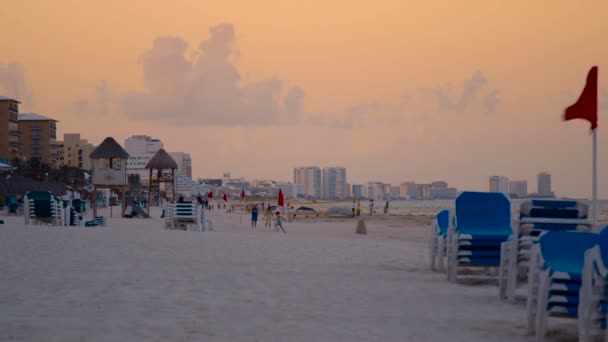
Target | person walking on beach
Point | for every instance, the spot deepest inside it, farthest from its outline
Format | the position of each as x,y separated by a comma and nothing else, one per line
279,223
371,208
353,208
268,218
386,208
254,216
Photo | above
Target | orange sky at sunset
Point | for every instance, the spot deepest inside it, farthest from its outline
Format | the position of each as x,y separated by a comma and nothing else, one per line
392,90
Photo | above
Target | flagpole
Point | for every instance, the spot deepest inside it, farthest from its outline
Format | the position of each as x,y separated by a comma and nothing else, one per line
594,201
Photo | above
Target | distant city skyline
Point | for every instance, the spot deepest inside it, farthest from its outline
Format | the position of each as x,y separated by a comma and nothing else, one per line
391,90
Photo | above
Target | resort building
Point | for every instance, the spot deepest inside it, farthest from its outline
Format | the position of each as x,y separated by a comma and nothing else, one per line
309,177
290,190
141,149
10,144
184,163
39,135
334,183
544,184
498,184
74,151
518,188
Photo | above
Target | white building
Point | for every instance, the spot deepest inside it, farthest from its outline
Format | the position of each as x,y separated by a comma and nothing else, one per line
334,183
498,184
309,177
187,187
290,190
141,149
375,190
184,163
544,184
518,188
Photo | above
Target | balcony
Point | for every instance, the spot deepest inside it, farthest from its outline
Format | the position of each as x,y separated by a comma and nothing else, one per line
35,145
56,155
35,128
15,144
35,154
56,146
15,133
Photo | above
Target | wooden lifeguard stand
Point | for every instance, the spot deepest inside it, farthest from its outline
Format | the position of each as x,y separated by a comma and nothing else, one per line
162,171
109,170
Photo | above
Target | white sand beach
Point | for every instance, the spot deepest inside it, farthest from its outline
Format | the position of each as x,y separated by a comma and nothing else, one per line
136,281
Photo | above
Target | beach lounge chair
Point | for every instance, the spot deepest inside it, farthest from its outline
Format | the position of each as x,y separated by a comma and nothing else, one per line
535,218
41,208
186,214
555,276
482,221
593,303
439,234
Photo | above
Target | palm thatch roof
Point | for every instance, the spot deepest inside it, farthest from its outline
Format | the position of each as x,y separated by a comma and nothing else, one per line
161,160
109,148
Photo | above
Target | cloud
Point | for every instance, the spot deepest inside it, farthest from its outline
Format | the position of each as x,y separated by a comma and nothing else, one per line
101,104
13,84
472,88
206,87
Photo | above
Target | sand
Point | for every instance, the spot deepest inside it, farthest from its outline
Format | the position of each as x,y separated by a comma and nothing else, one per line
136,281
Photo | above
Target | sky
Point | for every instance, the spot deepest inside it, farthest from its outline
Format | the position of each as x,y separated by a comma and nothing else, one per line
392,90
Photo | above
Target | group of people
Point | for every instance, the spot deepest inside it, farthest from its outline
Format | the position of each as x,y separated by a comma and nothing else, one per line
356,208
267,218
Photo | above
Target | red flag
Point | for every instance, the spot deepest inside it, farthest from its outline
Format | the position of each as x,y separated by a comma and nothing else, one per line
242,194
586,106
281,199
225,198
210,195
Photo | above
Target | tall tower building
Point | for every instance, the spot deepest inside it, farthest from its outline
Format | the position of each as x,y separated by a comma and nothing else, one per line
309,177
544,184
498,184
10,144
141,149
184,163
334,183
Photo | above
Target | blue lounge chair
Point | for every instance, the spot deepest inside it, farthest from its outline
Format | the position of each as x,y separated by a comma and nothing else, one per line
441,223
593,303
535,218
555,276
482,222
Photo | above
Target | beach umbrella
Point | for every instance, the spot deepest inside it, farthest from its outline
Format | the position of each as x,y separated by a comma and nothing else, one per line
210,195
281,200
225,198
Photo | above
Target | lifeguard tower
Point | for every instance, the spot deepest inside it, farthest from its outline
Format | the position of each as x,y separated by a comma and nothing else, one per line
109,170
162,171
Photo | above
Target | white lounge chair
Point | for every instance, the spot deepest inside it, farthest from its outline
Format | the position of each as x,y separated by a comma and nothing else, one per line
439,234
186,214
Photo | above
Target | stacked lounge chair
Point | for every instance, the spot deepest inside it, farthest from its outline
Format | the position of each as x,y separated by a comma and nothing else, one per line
481,224
41,208
184,214
535,218
593,302
555,277
439,234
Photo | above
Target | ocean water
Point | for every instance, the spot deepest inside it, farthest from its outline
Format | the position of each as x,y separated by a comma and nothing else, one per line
431,207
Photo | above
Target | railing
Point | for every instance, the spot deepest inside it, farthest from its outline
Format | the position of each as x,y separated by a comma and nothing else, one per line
15,132
35,127
15,144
